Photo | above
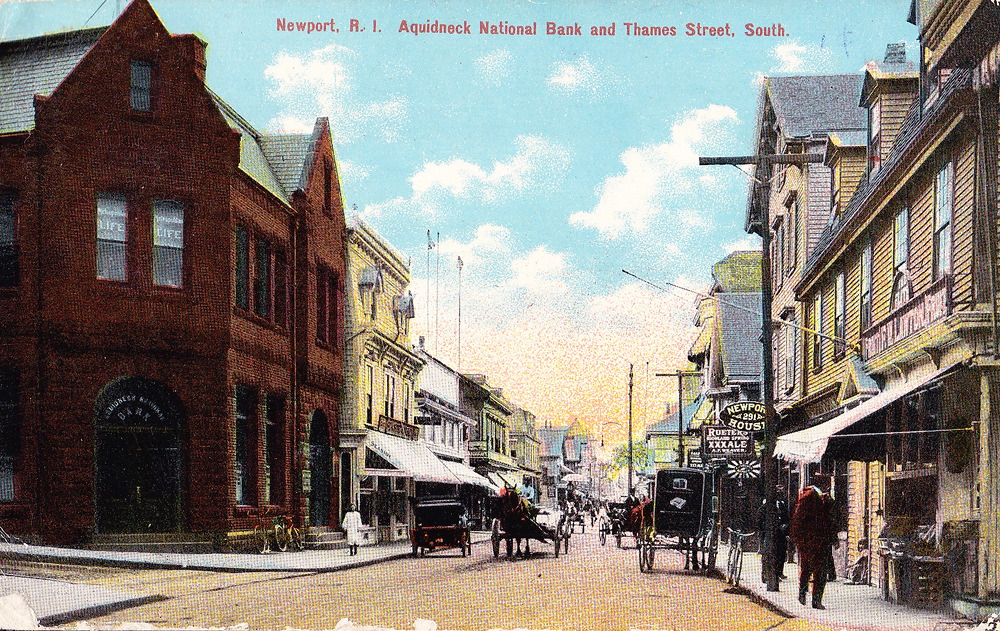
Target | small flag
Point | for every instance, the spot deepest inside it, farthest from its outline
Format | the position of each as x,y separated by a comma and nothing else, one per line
430,242
460,263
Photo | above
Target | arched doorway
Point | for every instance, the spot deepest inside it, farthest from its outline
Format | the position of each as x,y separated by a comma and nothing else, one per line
137,457
319,467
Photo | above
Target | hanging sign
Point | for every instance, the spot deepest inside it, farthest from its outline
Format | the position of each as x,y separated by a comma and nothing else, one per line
747,416
717,440
743,469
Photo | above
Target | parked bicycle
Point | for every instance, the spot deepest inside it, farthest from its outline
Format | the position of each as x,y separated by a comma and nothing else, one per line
281,535
734,564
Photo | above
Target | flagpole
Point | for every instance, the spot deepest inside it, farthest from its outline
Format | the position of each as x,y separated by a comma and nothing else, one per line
427,304
437,296
460,314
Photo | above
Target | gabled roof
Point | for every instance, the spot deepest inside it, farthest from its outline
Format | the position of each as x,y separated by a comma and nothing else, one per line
738,272
805,105
669,424
37,66
739,322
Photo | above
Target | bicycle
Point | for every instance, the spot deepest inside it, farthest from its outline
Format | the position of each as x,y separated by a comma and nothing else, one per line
734,564
281,535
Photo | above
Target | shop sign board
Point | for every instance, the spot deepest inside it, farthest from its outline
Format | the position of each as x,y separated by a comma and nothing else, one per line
718,440
747,416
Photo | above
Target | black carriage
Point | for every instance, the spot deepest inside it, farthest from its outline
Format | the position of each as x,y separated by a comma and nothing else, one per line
576,517
439,522
516,520
682,515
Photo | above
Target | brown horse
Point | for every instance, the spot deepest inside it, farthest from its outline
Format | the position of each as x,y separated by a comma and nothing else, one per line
515,515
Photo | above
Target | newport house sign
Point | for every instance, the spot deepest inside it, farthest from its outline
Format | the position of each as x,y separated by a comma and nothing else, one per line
916,315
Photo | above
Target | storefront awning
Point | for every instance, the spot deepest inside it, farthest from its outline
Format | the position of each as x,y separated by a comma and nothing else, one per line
506,478
809,445
411,459
465,473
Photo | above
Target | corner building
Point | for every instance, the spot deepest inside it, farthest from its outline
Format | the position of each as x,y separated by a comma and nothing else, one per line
171,297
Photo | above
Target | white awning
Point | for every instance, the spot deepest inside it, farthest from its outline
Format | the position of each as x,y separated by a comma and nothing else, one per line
411,458
465,473
505,478
809,445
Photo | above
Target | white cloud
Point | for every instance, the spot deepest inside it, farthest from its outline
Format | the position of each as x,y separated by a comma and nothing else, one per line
745,243
489,239
494,67
537,163
654,174
580,75
540,272
795,57
322,82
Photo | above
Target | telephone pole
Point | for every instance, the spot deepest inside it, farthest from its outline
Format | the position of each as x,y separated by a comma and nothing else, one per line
630,430
764,164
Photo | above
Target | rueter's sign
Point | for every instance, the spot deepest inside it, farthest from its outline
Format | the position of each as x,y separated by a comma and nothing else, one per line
725,441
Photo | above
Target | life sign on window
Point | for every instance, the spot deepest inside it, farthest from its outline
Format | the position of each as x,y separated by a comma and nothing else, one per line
168,225
111,220
747,416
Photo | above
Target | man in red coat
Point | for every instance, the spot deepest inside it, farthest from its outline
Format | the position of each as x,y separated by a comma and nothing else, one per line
810,530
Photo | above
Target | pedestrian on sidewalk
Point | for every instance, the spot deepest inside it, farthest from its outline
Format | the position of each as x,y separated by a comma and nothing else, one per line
779,534
810,529
352,526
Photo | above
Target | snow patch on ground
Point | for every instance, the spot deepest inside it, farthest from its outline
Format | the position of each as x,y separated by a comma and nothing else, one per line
15,613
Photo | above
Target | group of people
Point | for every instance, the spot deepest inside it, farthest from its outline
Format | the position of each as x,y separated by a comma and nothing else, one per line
812,532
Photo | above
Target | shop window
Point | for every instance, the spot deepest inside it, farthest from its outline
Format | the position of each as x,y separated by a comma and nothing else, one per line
242,271
246,422
141,86
943,203
910,445
10,433
9,269
274,449
168,243
112,238
262,279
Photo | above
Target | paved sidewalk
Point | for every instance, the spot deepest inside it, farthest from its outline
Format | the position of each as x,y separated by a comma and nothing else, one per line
853,606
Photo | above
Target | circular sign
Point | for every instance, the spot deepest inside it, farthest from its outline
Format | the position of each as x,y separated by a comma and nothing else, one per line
748,416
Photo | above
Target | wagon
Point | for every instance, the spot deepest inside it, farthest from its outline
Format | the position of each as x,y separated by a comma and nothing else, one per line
515,520
438,523
682,515
615,524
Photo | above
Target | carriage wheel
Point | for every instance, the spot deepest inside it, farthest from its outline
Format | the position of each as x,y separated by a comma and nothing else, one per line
261,540
602,536
618,540
510,547
496,546
650,555
642,556
298,543
281,538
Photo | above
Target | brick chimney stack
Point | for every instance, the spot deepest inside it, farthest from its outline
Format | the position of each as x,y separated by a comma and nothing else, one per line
895,53
194,50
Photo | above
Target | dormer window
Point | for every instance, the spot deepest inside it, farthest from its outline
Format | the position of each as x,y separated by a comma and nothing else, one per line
140,86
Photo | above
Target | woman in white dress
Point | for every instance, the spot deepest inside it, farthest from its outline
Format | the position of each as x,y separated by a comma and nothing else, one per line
352,526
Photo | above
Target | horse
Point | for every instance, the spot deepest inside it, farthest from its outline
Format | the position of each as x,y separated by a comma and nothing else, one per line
514,514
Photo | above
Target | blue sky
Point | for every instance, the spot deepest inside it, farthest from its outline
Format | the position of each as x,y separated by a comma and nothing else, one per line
548,163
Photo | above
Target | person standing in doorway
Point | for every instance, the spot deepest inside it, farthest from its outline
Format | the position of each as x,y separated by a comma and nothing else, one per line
811,533
352,526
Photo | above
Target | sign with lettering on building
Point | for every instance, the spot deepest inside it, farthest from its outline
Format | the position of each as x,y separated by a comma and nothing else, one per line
718,440
747,416
916,315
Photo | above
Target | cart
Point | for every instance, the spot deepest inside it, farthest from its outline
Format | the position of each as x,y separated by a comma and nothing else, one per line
683,515
575,517
615,524
438,523
516,520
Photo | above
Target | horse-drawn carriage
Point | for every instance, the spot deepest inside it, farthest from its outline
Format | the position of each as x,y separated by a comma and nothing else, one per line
516,520
439,522
575,516
623,518
682,515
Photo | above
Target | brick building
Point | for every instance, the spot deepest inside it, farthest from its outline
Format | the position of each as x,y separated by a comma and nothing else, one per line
170,288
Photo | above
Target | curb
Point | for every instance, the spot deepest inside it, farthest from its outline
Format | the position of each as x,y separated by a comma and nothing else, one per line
98,610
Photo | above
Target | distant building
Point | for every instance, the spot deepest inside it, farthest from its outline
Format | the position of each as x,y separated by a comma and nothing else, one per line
524,448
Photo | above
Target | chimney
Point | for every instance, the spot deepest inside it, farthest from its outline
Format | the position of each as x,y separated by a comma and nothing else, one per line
193,48
895,53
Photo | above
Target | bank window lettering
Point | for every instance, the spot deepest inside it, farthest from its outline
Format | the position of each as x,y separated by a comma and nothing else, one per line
168,243
112,238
